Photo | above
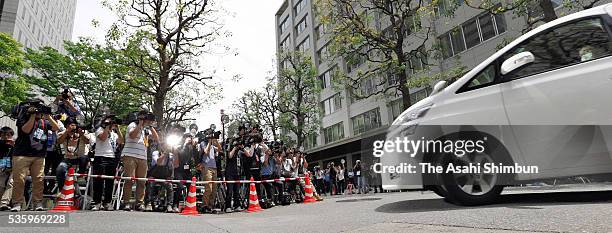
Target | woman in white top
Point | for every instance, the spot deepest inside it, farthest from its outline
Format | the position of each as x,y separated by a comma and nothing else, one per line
340,175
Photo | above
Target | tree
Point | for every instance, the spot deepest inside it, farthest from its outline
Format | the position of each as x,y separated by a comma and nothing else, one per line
181,106
162,39
298,92
260,107
13,87
92,74
536,11
376,32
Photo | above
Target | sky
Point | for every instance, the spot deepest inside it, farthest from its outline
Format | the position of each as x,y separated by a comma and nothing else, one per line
252,24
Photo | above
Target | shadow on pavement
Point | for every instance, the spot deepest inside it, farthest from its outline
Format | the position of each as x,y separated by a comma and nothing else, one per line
516,201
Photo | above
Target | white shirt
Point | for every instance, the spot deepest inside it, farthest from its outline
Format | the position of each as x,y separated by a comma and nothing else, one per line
135,147
107,147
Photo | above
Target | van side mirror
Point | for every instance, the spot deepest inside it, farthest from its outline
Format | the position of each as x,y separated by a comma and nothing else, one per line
517,61
438,87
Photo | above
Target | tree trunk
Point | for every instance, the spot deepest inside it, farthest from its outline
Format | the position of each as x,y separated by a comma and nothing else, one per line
403,80
549,10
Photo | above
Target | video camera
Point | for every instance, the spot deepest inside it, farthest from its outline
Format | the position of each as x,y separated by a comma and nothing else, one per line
25,109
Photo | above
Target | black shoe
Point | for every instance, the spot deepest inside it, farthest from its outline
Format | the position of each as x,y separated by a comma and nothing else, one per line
126,207
140,207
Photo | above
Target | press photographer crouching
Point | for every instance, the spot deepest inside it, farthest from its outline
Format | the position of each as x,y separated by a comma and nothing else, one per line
33,123
6,181
163,162
73,143
108,140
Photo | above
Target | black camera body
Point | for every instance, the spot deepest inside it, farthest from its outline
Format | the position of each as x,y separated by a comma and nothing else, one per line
65,94
149,117
22,110
113,121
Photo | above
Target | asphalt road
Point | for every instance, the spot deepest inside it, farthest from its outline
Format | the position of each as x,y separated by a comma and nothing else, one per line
585,208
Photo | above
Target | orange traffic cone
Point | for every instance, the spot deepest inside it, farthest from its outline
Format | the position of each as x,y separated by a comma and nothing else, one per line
308,197
65,202
253,200
190,206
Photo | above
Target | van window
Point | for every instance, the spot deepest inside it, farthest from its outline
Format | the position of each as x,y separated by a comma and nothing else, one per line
563,46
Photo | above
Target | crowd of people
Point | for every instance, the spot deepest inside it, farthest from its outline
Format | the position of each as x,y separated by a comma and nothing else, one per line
50,140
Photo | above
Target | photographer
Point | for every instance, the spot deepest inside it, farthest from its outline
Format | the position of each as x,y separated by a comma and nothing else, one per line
134,157
66,105
267,171
162,167
108,139
232,173
30,150
252,159
6,181
54,155
73,143
210,150
188,153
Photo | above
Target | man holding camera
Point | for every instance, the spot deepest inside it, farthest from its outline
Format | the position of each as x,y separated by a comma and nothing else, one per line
30,151
188,154
66,105
232,173
108,139
210,150
134,157
6,181
73,143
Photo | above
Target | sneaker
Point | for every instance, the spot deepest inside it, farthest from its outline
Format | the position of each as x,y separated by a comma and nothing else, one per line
238,209
176,209
39,207
169,209
228,210
140,207
127,207
4,207
108,207
95,207
149,208
16,208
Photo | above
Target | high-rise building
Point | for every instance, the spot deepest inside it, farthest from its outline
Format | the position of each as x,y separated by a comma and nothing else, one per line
37,23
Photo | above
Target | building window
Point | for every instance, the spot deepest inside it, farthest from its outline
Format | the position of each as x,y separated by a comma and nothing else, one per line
355,60
331,104
320,31
302,25
471,33
283,26
366,121
419,95
326,78
284,45
310,141
323,53
299,6
304,46
396,107
413,23
334,133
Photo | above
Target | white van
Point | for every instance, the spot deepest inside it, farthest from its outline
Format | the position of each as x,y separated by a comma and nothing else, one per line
544,100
